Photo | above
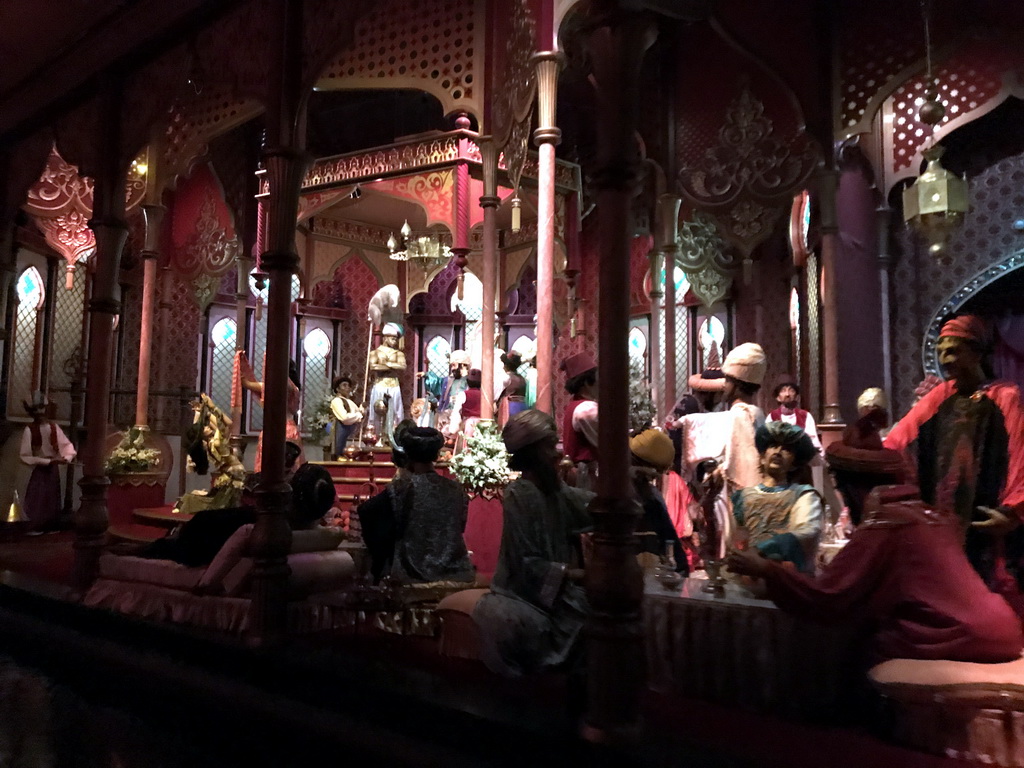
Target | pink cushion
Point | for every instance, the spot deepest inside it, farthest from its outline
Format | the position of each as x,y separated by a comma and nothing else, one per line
314,572
165,573
226,559
319,539
460,637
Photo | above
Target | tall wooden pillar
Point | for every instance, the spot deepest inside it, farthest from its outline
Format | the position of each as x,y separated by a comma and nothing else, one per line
884,213
154,216
547,136
615,661
668,244
827,184
489,201
111,231
285,163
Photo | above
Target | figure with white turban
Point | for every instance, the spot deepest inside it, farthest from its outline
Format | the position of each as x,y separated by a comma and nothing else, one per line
728,437
532,619
386,362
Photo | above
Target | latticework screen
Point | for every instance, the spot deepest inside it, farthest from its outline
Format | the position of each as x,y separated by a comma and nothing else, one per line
813,401
66,351
437,353
223,337
31,295
316,375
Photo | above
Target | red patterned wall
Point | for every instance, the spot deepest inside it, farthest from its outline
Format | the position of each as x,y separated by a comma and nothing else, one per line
351,288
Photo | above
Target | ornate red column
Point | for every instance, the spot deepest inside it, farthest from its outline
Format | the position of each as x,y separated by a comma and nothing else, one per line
285,163
460,221
547,136
154,216
111,231
827,183
668,236
489,201
615,660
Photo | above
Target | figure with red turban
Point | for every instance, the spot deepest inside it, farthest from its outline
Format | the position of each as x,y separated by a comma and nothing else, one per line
969,434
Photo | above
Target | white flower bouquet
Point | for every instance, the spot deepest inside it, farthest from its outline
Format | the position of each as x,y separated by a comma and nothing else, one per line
482,466
132,455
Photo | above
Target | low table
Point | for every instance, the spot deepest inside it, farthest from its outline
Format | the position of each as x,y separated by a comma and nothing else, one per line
737,649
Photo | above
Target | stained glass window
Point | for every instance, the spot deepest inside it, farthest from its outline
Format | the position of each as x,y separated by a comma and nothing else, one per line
316,353
637,346
223,337
31,295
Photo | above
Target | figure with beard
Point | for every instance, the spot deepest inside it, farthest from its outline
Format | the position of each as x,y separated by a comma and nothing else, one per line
781,517
44,447
787,395
533,616
387,361
969,434
458,368
346,413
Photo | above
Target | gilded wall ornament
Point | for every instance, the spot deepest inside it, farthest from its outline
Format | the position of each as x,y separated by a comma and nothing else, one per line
706,258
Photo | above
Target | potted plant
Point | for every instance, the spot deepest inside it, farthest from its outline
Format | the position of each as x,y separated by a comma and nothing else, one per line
482,468
319,421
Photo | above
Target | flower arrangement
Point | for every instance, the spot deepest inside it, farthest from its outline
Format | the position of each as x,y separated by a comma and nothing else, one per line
641,406
482,466
319,420
132,455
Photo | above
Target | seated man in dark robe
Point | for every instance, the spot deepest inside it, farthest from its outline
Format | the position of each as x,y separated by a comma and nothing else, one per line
903,574
533,616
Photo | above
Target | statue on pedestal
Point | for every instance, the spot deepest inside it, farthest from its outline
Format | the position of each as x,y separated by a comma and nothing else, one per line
385,363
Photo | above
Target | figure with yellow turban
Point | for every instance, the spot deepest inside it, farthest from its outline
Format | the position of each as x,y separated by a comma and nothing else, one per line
653,453
969,433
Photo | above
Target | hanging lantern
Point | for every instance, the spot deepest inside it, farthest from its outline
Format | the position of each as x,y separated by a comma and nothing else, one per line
517,213
935,204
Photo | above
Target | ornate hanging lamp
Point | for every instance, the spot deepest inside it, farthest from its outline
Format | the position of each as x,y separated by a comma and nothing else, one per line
935,204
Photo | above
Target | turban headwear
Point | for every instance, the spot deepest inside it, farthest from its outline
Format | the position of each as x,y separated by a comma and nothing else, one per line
746,363
655,448
710,380
578,364
512,359
970,327
873,397
526,428
391,329
788,436
459,357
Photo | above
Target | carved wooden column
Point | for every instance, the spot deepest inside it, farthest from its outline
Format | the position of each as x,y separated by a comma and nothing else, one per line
655,296
547,137
668,236
154,216
489,201
285,163
615,660
111,231
827,183
460,221
884,212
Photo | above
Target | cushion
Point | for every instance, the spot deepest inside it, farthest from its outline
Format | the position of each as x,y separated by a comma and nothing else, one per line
460,637
226,559
946,673
317,539
165,573
314,572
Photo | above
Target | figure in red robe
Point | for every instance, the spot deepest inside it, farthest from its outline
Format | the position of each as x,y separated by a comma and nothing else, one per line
969,435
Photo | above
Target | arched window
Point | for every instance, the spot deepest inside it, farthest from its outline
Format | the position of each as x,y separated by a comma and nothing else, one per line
31,295
223,338
794,330
711,337
66,350
316,375
438,349
638,347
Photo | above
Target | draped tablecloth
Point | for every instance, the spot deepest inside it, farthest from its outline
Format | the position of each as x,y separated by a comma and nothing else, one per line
740,650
